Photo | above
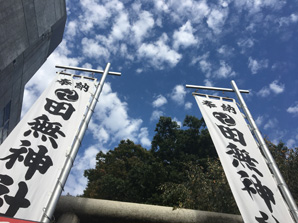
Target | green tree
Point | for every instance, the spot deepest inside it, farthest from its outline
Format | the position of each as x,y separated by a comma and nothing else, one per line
127,173
180,170
287,162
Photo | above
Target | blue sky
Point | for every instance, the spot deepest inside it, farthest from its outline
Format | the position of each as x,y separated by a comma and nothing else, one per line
159,46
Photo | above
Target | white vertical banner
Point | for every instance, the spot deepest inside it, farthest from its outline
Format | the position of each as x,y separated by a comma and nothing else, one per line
252,184
33,155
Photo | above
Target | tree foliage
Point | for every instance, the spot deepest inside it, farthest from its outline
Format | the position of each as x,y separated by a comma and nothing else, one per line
180,170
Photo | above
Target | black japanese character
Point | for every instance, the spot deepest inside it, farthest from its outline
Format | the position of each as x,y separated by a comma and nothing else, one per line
64,82
242,156
232,134
224,118
80,86
228,108
65,110
263,191
209,104
37,161
5,181
247,183
18,201
16,154
34,161
47,129
264,218
67,95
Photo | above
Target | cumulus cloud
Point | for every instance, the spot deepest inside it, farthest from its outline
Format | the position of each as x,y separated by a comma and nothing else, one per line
245,44
178,94
255,65
143,136
159,53
142,27
111,114
285,21
264,92
159,101
93,49
224,71
184,37
259,120
155,115
271,124
96,14
273,87
76,182
276,87
121,27
293,109
188,105
216,19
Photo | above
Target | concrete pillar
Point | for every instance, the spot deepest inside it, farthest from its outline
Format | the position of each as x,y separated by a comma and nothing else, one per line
68,218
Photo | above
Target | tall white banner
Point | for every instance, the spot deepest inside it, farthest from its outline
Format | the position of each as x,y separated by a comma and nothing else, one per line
254,189
33,155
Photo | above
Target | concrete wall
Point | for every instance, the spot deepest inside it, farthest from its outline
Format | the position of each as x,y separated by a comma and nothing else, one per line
104,211
29,32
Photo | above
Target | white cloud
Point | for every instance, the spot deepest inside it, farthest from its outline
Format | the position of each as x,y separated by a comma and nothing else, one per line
71,29
181,10
291,143
121,27
156,114
76,182
254,6
271,124
245,44
293,109
142,27
111,114
216,19
224,71
255,65
188,105
264,92
143,136
159,101
184,36
159,53
276,87
178,122
285,21
206,67
226,51
93,49
259,120
178,94
96,14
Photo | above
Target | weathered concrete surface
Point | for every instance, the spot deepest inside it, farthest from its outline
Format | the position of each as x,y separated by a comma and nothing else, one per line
104,211
29,32
68,218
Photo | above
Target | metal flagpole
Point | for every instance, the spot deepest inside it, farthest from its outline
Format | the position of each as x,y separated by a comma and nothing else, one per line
49,210
270,161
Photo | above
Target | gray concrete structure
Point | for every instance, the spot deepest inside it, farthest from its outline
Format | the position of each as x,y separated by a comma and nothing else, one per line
104,211
30,30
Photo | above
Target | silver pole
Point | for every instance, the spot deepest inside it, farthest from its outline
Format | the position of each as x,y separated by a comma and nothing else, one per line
214,88
88,70
270,161
49,211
